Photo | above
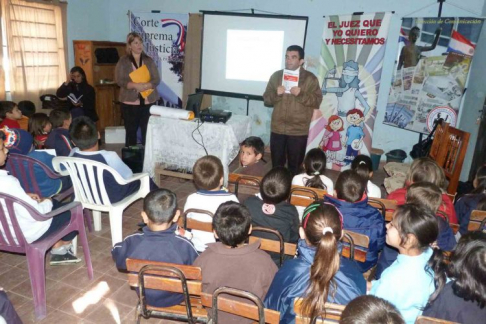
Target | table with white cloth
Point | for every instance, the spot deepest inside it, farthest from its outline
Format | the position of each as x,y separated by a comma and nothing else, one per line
170,144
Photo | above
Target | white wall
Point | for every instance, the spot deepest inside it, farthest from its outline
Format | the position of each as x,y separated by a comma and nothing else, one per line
107,20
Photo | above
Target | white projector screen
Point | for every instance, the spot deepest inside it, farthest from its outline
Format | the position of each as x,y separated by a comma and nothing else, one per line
241,51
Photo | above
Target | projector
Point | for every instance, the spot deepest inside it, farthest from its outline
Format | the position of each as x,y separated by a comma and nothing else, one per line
214,116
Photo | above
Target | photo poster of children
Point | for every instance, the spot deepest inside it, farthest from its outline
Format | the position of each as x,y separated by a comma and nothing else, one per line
350,66
164,39
433,61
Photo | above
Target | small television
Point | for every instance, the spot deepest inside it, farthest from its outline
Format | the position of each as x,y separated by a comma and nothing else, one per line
194,103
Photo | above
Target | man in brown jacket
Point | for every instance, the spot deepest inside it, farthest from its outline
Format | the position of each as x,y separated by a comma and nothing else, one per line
292,111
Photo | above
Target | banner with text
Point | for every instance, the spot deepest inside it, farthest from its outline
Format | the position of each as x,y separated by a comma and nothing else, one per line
164,39
351,60
434,57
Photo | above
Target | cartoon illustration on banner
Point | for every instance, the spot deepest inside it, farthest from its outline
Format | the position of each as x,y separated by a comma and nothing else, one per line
434,58
352,51
164,38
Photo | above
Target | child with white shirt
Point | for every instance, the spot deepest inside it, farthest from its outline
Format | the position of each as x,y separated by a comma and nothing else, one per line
364,167
32,229
409,281
315,168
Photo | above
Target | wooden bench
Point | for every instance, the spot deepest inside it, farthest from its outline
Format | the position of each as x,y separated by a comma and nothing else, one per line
332,313
255,311
386,206
243,186
176,278
477,221
432,320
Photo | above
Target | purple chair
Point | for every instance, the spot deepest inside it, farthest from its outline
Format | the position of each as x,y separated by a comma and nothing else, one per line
16,166
13,240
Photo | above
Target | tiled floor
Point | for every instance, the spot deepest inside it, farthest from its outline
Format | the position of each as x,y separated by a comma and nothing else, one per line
71,296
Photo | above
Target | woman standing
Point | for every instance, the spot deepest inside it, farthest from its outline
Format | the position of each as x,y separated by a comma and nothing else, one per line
80,95
135,108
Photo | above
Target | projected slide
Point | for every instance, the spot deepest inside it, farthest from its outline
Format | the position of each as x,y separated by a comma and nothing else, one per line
240,52
245,57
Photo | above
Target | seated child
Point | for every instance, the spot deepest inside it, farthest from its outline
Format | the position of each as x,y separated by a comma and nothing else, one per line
21,142
10,114
370,309
28,110
474,200
318,274
233,263
272,210
8,314
208,179
251,157
40,126
359,217
461,294
426,170
409,281
427,195
161,240
314,167
85,136
59,138
32,229
364,167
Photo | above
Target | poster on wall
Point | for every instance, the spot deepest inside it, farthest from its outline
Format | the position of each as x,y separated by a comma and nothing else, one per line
164,39
434,58
351,60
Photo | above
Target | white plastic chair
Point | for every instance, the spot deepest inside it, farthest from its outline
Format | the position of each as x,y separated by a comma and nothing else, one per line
82,173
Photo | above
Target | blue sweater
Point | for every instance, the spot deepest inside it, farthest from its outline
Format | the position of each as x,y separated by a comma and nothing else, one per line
364,219
292,280
47,186
163,246
407,284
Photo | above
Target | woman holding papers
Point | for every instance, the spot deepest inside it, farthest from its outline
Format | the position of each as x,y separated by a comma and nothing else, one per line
138,77
79,94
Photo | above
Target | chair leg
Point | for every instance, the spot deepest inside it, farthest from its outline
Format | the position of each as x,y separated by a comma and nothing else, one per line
97,220
88,219
116,217
37,273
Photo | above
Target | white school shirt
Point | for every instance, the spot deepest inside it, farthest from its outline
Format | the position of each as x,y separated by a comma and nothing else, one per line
299,180
373,191
31,228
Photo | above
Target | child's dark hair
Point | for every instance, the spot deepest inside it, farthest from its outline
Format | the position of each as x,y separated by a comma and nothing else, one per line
6,107
425,169
480,180
27,108
363,166
83,132
315,166
37,122
350,186
276,185
256,143
371,309
58,116
322,224
425,194
160,206
467,269
232,222
207,172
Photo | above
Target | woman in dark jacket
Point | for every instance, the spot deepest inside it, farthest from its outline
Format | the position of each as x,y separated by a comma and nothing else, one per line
80,95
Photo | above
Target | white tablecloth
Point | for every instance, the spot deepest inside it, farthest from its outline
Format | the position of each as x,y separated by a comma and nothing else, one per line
169,142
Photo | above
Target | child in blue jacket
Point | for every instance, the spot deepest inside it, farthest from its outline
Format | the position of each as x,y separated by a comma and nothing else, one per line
317,265
359,217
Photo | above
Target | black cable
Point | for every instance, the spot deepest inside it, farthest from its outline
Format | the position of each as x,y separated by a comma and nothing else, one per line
202,139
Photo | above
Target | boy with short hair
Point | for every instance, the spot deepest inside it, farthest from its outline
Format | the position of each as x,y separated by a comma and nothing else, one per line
59,138
161,240
233,263
358,216
272,210
251,157
10,114
28,110
85,136
208,178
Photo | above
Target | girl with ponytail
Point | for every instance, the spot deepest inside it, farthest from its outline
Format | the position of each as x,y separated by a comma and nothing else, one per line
314,172
318,274
410,281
